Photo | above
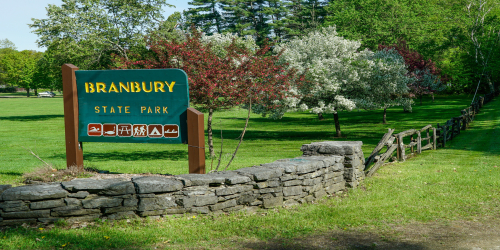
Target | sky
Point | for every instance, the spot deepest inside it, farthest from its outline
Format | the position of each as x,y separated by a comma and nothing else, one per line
15,15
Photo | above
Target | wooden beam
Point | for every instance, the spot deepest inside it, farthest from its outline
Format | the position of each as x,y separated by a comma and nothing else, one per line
196,141
74,150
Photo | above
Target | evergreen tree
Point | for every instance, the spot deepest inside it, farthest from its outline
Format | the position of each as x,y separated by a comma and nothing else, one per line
206,15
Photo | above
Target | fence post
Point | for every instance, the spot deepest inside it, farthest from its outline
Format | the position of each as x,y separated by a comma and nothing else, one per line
419,143
412,150
429,138
434,139
464,120
444,135
401,147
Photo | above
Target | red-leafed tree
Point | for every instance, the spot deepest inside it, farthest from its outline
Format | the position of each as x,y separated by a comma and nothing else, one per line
427,75
240,77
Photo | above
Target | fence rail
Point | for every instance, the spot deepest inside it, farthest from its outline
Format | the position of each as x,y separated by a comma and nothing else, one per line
434,137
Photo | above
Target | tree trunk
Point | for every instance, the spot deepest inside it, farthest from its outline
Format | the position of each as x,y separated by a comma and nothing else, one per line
320,116
27,92
210,134
385,115
432,97
337,124
36,92
490,84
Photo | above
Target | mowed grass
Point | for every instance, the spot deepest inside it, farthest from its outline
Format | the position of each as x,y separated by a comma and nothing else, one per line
460,182
38,124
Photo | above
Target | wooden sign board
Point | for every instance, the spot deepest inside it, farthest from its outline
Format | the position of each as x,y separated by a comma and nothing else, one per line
129,106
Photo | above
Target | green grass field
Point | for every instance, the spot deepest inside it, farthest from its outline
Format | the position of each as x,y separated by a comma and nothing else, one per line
459,182
38,124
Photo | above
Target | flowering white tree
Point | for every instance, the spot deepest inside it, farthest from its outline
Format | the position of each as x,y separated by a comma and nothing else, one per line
333,67
340,77
386,83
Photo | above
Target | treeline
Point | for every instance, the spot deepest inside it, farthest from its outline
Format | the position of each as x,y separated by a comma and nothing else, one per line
460,36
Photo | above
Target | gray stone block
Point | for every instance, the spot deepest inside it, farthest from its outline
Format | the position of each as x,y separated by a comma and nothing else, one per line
198,201
294,190
233,209
256,203
261,173
353,163
175,211
195,190
151,213
309,166
28,214
79,194
232,177
102,202
3,188
222,205
160,202
120,188
290,203
122,215
228,190
86,218
73,202
288,177
201,179
130,202
335,188
146,195
156,184
72,211
7,223
119,209
271,190
312,182
89,185
272,202
14,206
49,220
47,204
292,183
34,192
199,210
320,194
247,198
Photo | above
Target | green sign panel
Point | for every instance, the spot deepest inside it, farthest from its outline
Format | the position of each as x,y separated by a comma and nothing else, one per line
132,105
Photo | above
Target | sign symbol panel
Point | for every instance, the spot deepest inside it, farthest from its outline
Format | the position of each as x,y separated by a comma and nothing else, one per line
171,131
94,129
155,131
109,130
140,130
124,130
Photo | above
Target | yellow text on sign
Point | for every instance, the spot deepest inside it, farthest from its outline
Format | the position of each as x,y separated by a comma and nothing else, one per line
131,87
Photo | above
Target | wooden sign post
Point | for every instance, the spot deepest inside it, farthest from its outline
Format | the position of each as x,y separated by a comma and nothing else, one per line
130,106
74,150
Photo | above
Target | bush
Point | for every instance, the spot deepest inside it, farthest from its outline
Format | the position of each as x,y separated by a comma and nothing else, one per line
8,89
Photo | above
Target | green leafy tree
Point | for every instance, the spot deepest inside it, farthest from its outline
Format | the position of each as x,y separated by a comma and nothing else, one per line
19,69
88,33
6,47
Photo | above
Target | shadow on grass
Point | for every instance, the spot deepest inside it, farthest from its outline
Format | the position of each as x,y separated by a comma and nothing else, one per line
11,173
335,240
172,155
30,118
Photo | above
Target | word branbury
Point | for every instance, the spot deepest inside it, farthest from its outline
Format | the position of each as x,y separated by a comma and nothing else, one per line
132,105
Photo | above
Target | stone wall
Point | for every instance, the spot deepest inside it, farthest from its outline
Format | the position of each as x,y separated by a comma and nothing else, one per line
324,169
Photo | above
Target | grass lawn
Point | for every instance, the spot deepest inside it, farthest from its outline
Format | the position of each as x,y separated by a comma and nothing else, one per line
459,182
38,124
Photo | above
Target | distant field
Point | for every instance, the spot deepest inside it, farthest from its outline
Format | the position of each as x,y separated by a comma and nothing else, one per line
38,124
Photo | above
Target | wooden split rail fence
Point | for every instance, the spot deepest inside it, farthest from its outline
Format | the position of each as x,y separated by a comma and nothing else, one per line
434,137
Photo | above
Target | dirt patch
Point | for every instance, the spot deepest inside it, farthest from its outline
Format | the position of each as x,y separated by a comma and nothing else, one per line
471,235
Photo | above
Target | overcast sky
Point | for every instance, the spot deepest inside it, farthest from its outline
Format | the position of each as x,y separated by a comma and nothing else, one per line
15,15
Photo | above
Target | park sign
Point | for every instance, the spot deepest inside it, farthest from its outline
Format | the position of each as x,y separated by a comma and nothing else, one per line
133,106
140,106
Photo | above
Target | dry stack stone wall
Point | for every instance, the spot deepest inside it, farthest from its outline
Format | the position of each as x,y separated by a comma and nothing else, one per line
324,169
